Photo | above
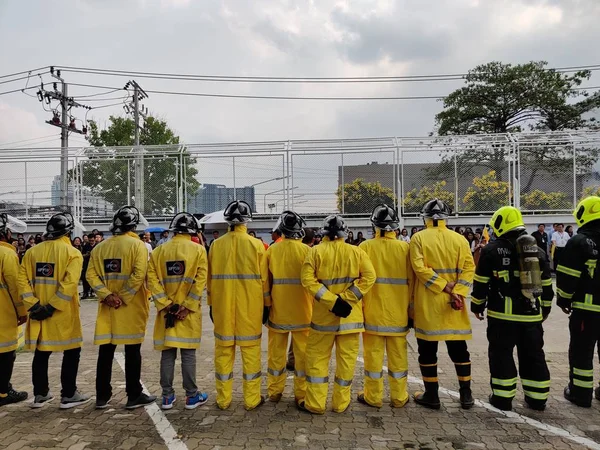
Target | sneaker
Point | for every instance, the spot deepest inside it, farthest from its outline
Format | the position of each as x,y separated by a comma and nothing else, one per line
13,397
197,400
102,404
77,400
168,401
142,400
40,400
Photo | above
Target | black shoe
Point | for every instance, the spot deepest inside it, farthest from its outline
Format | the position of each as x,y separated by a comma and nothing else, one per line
102,404
13,397
575,400
301,406
262,402
361,399
597,393
502,406
290,366
142,400
535,405
427,399
466,398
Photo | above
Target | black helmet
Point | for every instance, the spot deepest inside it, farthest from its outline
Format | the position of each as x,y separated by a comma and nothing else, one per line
334,227
291,225
59,225
436,209
238,211
184,223
125,219
385,218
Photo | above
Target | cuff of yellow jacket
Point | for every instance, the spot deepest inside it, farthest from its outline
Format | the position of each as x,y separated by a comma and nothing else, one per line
437,286
461,289
59,303
192,305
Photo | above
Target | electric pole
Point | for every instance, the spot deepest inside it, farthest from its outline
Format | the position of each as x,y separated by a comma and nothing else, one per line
134,107
65,126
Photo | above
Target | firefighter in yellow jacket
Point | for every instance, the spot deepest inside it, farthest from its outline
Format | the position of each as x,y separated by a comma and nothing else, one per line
117,273
238,296
48,281
386,308
12,310
444,270
337,275
291,307
177,278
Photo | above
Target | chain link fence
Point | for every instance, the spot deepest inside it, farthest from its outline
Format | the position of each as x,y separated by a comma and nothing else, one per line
542,173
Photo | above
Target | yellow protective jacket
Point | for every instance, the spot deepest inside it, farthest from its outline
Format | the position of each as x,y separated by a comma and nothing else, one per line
438,256
386,304
118,266
50,274
332,269
177,275
11,306
238,287
291,307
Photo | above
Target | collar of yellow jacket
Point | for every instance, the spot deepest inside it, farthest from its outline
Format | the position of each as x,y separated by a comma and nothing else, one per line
183,237
386,235
335,241
440,223
241,228
7,245
129,233
66,239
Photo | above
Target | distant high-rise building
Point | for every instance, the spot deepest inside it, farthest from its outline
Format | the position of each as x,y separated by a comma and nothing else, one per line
92,204
215,197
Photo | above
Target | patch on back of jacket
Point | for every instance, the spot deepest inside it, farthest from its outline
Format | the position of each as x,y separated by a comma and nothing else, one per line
112,266
43,269
175,267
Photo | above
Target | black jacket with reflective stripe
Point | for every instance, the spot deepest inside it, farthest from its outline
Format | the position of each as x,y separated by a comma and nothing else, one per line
497,285
577,276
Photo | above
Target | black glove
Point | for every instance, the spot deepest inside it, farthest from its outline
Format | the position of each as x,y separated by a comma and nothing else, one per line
42,312
265,314
210,314
170,316
341,308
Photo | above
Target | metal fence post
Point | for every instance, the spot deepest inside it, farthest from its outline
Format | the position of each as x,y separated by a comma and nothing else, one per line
397,192
234,185
455,184
343,187
26,194
574,175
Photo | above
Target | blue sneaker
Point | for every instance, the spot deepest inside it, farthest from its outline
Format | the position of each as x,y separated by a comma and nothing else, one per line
197,400
168,402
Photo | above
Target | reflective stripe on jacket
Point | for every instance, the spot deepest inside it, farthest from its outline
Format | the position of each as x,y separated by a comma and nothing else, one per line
11,306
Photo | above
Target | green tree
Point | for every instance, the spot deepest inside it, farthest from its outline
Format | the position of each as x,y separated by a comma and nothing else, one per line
590,190
538,200
499,98
362,197
105,172
414,200
487,193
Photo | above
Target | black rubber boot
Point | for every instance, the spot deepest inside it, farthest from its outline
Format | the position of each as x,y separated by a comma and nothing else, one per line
597,393
575,400
466,396
500,403
430,398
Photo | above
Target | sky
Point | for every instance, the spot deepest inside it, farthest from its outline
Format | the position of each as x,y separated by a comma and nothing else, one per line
293,38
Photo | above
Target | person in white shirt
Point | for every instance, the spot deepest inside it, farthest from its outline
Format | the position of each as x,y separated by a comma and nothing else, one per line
559,241
404,236
146,239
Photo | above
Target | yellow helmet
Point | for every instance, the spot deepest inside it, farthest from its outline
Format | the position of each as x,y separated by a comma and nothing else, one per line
587,210
506,219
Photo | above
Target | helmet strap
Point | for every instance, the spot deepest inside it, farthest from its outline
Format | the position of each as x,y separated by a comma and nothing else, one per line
381,232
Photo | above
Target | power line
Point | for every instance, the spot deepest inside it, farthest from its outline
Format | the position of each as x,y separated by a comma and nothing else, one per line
26,140
25,71
276,79
19,90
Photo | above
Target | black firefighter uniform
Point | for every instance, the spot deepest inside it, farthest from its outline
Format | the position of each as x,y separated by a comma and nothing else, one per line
238,291
513,322
291,310
439,256
386,308
332,269
578,288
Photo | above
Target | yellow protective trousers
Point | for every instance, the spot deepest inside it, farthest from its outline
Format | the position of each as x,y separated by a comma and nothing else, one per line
318,354
374,347
224,358
278,347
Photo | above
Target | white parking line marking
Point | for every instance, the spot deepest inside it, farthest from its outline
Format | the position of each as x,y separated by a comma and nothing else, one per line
516,416
162,424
